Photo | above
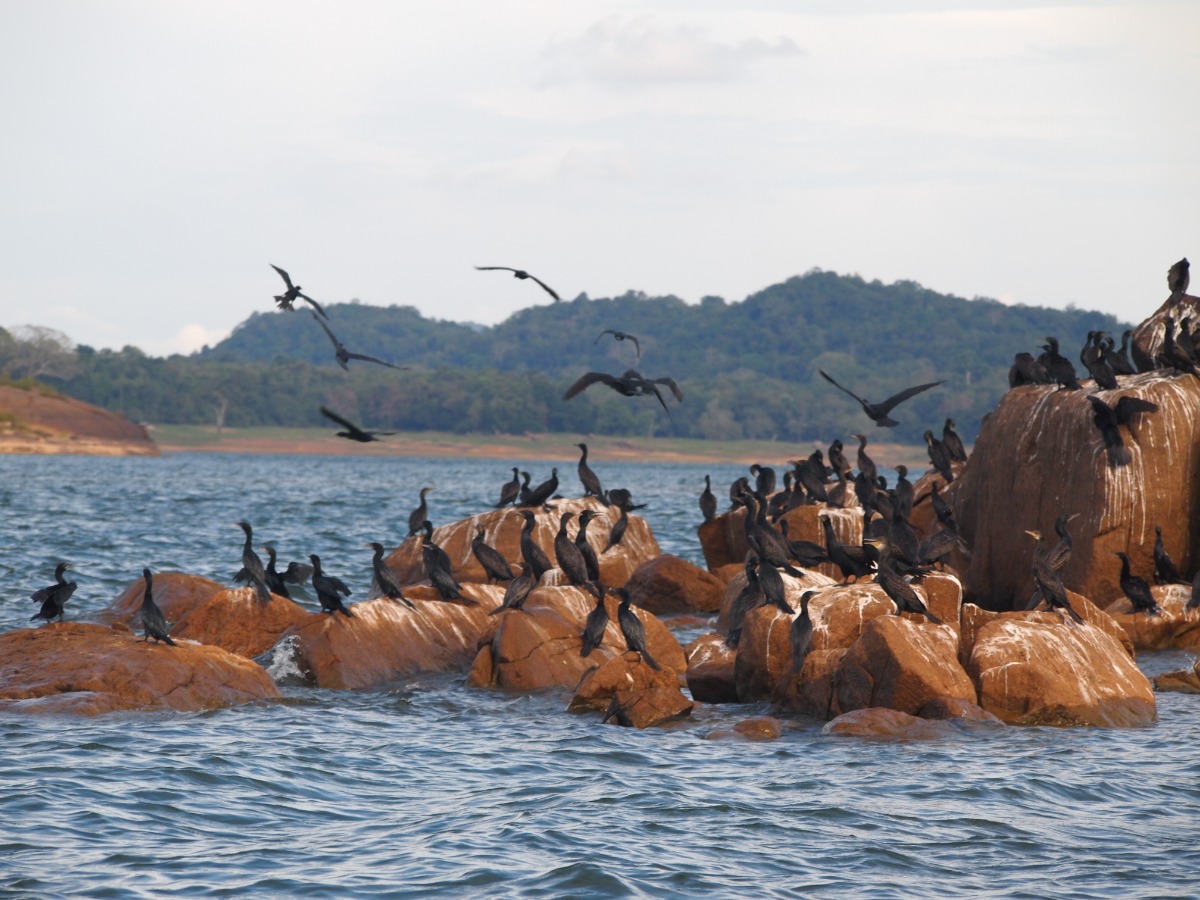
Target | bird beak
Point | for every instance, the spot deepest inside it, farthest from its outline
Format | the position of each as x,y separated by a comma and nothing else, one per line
1036,535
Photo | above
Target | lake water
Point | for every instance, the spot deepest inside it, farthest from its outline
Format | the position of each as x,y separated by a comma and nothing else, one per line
430,789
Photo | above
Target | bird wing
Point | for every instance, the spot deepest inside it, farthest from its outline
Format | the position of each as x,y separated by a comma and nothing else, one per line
330,414
297,573
840,388
495,268
283,274
636,345
602,334
1128,407
333,337
366,358
670,382
315,305
545,287
657,393
895,400
586,380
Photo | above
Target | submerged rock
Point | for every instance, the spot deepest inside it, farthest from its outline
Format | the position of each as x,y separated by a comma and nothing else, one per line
887,724
77,667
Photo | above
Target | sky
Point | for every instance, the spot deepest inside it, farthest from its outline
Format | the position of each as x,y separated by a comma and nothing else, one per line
158,156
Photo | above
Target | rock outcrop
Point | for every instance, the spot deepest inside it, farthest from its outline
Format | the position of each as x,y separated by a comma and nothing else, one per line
710,670
887,724
723,540
1040,455
1174,628
502,529
78,667
1148,337
629,692
668,585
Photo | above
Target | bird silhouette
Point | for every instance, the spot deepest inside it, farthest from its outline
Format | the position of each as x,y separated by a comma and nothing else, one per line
288,297
878,412
522,274
631,384
343,355
352,432
621,336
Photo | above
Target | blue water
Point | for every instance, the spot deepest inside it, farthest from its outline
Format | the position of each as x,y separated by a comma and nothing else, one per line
431,789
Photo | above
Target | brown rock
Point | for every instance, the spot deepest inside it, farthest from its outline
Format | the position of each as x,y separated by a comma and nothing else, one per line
502,529
710,671
386,640
1037,669
1175,628
723,540
793,588
1039,455
628,687
974,618
901,663
956,708
538,646
76,667
176,594
667,584
810,691
1185,682
762,653
759,728
1147,340
889,724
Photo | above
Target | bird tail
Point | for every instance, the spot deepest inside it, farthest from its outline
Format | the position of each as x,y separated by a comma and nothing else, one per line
345,612
650,660
264,592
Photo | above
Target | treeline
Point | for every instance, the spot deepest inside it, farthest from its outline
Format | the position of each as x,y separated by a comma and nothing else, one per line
747,369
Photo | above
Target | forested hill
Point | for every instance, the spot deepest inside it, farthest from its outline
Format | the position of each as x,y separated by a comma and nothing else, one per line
747,369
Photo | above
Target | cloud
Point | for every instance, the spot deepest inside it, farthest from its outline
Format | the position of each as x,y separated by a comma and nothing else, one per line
189,339
622,52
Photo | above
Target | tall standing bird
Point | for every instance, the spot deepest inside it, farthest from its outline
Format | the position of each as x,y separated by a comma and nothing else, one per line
952,442
853,561
543,492
1118,357
292,294
1136,589
939,457
522,274
1046,581
252,568
277,582
747,599
537,563
416,518
708,500
1108,420
439,569
352,432
593,628
1094,360
878,412
1058,368
632,628
1026,370
384,582
570,560
621,336
1165,571
330,590
801,632
343,355
515,594
494,564
905,492
54,597
866,465
154,623
585,547
1178,277
772,586
588,478
616,534
510,490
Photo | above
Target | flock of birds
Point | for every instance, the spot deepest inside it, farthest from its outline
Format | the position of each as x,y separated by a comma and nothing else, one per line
891,550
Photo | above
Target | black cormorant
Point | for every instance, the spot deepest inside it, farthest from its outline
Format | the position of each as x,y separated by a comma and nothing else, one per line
343,355
515,594
905,496
1046,581
1058,368
1136,589
772,586
416,518
494,564
1178,277
536,561
620,336
747,599
288,297
585,547
866,465
439,569
352,432
525,491
277,582
632,628
708,500
593,628
801,632
54,597
1174,356
1093,358
939,457
570,560
508,493
1107,420
1026,370
543,492
385,583
616,534
522,274
330,590
764,479
588,478
1165,571
154,623
808,553
952,442
252,568
837,456
631,384
1118,357
854,562
878,412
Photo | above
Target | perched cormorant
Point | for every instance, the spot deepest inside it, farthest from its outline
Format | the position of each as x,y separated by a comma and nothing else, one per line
1059,555
1026,370
902,593
737,489
585,547
252,568
54,597
1047,582
936,546
808,553
522,274
620,336
515,594
903,540
632,628
343,355
588,478
1093,358
853,561
570,560
942,509
330,590
1174,356
1136,589
536,561
878,412
801,632
631,384
616,534
1165,571
288,297
593,628
416,518
385,583
905,491
494,564
939,457
764,479
1058,368
1118,358
277,582
837,457
511,489
952,442
747,599
708,500
1178,277
762,536
154,623
352,432
772,586
438,568
1107,420
622,499
543,492
866,465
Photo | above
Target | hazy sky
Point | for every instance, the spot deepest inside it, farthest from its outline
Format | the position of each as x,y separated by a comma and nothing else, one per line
158,155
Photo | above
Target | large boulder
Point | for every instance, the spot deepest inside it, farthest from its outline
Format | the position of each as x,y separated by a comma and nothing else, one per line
538,646
175,593
627,689
1037,668
385,640
668,585
975,617
502,529
710,671
1040,455
723,540
1148,338
1175,628
78,667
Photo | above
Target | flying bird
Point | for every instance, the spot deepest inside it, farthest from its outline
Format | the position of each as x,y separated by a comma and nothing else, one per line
631,384
352,432
288,297
621,336
343,355
522,274
878,412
